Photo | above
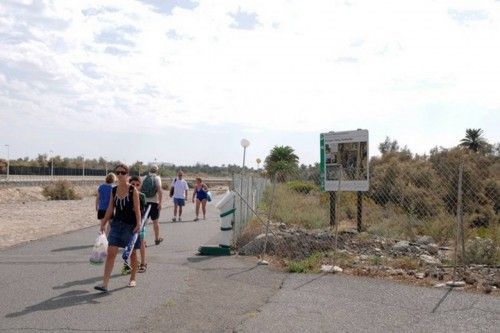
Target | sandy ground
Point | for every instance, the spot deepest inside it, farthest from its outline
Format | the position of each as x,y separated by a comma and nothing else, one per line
25,215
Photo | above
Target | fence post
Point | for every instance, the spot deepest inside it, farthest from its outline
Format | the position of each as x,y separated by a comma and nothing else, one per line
460,211
269,216
360,211
459,230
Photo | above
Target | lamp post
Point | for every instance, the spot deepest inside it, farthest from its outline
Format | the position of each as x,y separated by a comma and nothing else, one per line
244,143
106,164
83,165
52,164
8,160
258,162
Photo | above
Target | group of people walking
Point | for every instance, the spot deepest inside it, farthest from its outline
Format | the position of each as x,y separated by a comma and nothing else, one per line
125,205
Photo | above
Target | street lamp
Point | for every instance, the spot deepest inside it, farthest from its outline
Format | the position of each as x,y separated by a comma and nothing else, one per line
106,164
244,143
83,165
8,160
258,162
52,164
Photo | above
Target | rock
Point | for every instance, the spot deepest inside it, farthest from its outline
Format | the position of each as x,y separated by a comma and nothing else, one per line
263,236
470,279
438,275
337,269
439,285
349,231
457,284
432,248
282,226
377,249
497,279
487,288
327,268
425,240
420,275
401,246
430,260
331,269
256,246
364,257
398,271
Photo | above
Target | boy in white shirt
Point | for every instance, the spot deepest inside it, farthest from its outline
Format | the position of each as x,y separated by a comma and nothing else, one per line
180,194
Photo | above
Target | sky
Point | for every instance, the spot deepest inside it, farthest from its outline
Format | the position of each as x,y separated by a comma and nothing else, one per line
183,81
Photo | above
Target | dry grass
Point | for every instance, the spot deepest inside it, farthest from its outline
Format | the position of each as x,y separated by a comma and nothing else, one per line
407,263
252,229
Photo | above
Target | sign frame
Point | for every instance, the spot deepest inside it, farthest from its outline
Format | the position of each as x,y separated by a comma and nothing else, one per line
345,152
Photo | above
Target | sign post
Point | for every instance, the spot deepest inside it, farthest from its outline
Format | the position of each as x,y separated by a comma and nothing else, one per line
344,167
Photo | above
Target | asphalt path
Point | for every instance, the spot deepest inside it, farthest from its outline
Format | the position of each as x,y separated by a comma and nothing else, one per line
47,285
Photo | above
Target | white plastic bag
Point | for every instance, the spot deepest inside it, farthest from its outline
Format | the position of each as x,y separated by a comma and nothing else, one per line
100,250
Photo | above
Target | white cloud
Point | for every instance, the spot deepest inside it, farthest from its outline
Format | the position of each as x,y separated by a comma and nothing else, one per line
297,65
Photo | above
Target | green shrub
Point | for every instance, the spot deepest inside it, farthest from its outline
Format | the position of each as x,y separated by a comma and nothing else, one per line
480,251
60,190
311,264
441,228
301,186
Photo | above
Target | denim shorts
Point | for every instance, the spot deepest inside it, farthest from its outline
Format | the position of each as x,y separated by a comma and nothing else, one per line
179,202
121,233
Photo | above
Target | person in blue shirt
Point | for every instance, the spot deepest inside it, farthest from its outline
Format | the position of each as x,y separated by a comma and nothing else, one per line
103,196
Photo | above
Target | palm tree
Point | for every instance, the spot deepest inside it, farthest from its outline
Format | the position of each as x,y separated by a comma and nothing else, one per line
474,140
281,162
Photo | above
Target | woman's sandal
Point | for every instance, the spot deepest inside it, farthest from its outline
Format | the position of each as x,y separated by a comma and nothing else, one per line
132,284
142,268
101,289
158,241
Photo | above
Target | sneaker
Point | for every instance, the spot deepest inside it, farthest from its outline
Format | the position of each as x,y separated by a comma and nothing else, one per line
173,219
196,219
125,270
180,220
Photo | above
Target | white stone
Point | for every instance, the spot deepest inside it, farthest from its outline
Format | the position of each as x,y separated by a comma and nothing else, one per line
430,260
420,275
455,283
401,246
337,269
327,268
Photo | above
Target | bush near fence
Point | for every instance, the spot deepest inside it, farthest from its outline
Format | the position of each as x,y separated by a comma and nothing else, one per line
409,197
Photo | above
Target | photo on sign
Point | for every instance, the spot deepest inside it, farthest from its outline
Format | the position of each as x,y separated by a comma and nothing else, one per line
333,172
354,160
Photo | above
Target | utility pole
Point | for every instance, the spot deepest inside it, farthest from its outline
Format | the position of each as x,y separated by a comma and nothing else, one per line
52,164
8,160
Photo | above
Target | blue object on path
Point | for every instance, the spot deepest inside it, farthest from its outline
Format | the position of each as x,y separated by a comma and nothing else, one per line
127,252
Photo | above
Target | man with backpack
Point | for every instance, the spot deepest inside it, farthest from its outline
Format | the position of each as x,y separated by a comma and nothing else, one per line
151,187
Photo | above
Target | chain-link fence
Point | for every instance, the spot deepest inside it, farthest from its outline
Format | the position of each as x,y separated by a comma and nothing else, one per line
250,189
421,217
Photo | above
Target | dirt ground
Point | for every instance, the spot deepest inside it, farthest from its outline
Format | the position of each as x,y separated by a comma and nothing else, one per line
26,215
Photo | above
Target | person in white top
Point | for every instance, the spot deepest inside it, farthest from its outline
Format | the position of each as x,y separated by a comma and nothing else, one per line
179,191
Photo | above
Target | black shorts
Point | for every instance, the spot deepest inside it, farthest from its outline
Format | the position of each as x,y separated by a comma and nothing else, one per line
154,213
101,213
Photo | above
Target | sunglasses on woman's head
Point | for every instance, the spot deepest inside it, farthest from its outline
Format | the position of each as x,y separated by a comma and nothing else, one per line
123,173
